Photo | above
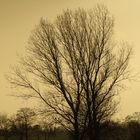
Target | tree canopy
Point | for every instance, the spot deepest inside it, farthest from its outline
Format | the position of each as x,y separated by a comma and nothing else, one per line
74,67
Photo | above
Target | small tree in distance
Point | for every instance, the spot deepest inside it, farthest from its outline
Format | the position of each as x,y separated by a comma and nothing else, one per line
75,69
24,119
4,125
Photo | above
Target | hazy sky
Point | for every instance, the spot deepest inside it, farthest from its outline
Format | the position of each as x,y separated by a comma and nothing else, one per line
19,17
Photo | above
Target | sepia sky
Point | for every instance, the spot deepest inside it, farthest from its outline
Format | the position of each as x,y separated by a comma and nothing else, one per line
19,17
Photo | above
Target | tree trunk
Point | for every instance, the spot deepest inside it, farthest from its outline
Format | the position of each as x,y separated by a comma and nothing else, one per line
76,136
45,134
76,132
6,135
93,131
21,137
26,132
93,135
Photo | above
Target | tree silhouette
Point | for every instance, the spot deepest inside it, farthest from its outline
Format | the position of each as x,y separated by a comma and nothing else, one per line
4,125
24,119
74,67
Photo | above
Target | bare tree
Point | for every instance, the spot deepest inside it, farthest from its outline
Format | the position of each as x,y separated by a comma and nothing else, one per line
24,119
74,67
4,125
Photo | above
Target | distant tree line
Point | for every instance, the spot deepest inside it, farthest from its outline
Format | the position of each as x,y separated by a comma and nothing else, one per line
25,125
